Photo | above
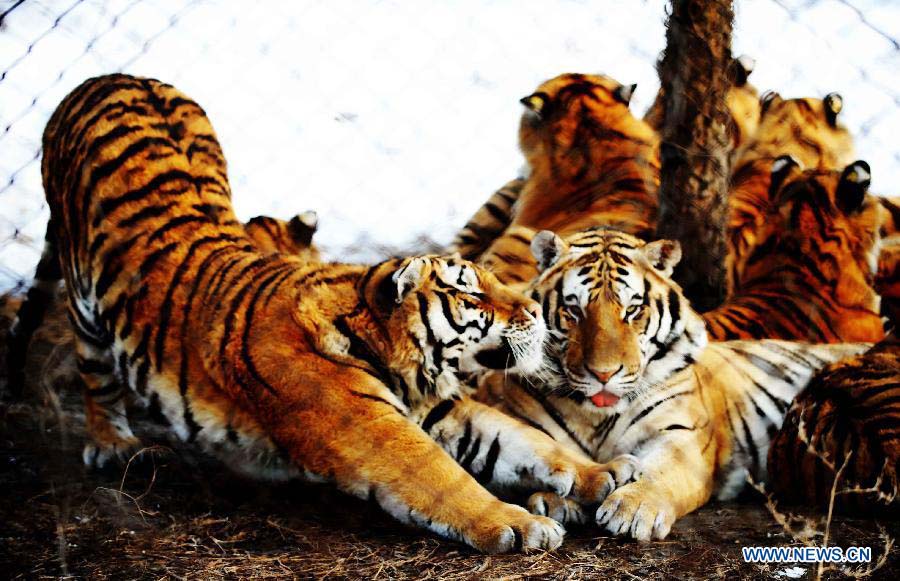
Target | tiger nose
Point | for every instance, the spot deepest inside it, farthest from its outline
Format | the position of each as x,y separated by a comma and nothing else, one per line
604,375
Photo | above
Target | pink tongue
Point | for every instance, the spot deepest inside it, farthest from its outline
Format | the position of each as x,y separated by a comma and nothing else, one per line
604,399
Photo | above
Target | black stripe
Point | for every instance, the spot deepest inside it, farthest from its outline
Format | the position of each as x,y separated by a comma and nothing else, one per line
437,413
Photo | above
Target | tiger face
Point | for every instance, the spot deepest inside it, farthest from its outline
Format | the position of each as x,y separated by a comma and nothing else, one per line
617,323
458,318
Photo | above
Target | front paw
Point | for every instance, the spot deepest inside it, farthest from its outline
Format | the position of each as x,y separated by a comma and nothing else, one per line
98,455
633,511
597,481
563,510
512,528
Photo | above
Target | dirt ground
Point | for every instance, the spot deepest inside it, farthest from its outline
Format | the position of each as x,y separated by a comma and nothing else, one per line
177,515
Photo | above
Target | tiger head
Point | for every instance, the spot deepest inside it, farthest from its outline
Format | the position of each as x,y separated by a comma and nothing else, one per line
807,129
445,316
293,236
566,109
822,222
617,323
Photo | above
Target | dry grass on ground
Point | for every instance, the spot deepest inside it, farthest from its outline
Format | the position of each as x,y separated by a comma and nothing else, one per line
183,516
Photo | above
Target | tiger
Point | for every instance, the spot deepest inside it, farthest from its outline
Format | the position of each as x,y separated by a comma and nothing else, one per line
590,162
289,237
629,369
810,275
281,368
742,102
806,129
845,420
266,233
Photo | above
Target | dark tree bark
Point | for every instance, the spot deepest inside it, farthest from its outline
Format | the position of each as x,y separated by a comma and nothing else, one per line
695,144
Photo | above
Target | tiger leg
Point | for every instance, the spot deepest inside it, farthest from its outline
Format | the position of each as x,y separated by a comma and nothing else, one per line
104,407
373,451
501,451
677,479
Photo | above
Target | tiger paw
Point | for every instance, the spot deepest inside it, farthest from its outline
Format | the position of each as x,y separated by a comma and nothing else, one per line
98,455
597,481
634,512
515,529
563,510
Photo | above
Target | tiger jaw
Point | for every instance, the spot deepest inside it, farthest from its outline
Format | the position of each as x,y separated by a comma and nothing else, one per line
519,350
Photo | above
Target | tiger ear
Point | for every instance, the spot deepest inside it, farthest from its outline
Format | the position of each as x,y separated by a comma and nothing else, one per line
766,100
303,226
743,66
623,93
409,277
833,103
781,169
663,255
853,187
534,103
547,248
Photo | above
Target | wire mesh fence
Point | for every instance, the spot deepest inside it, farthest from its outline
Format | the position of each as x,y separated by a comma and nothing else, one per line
394,120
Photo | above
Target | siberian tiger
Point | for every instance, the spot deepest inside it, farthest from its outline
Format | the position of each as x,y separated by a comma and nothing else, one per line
847,414
805,129
267,234
742,102
591,162
292,237
629,370
811,272
283,368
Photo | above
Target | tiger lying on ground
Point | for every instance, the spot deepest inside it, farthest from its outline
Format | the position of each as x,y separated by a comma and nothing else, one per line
847,414
283,368
591,162
630,371
805,129
742,102
810,275
267,234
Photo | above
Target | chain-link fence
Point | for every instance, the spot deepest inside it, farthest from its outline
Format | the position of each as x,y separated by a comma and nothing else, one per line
394,120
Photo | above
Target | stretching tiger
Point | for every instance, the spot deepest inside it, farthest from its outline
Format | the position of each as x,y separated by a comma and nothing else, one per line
267,235
847,414
283,368
629,371
806,130
742,102
810,275
591,162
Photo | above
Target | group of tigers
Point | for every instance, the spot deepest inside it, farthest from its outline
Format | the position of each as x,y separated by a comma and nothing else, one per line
549,351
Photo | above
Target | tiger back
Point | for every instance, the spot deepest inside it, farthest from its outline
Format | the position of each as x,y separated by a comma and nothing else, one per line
808,131
591,163
845,421
811,273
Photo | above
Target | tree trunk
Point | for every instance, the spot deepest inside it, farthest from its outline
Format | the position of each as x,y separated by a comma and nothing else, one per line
695,143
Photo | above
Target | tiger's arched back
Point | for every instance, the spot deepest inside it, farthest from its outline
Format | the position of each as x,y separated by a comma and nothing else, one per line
811,272
849,413
808,131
